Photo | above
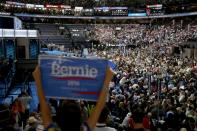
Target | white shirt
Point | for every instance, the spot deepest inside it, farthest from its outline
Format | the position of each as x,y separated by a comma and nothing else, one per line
25,101
103,127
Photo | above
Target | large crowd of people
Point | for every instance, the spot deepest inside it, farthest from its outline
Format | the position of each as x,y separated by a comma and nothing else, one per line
162,86
143,34
152,89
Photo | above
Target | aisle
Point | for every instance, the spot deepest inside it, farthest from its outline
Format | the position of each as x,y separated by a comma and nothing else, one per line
17,90
13,95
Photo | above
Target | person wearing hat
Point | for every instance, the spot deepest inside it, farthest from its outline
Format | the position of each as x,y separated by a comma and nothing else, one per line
32,124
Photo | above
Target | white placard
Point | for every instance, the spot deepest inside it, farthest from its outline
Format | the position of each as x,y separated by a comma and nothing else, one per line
30,5
39,6
118,28
65,6
78,8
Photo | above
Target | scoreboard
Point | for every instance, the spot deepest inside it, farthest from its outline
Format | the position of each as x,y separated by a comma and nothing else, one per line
111,11
119,11
152,10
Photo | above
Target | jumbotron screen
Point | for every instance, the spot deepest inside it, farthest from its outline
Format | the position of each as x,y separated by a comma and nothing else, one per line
154,10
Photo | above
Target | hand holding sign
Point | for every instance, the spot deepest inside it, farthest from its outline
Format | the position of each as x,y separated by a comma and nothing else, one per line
104,75
46,113
101,101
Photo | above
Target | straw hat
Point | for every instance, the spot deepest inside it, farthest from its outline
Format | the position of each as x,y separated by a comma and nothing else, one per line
32,119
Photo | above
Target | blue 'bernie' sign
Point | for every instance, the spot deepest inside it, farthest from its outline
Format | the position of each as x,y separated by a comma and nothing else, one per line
72,78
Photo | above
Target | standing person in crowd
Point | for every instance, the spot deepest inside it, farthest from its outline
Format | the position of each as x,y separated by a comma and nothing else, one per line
101,124
18,111
138,121
137,117
25,100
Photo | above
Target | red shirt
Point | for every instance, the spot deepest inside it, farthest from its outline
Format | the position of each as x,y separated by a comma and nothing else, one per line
146,123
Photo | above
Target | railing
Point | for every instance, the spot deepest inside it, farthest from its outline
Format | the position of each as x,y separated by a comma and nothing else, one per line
26,84
25,87
6,84
3,88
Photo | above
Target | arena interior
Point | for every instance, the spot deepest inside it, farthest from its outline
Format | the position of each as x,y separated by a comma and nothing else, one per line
149,80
